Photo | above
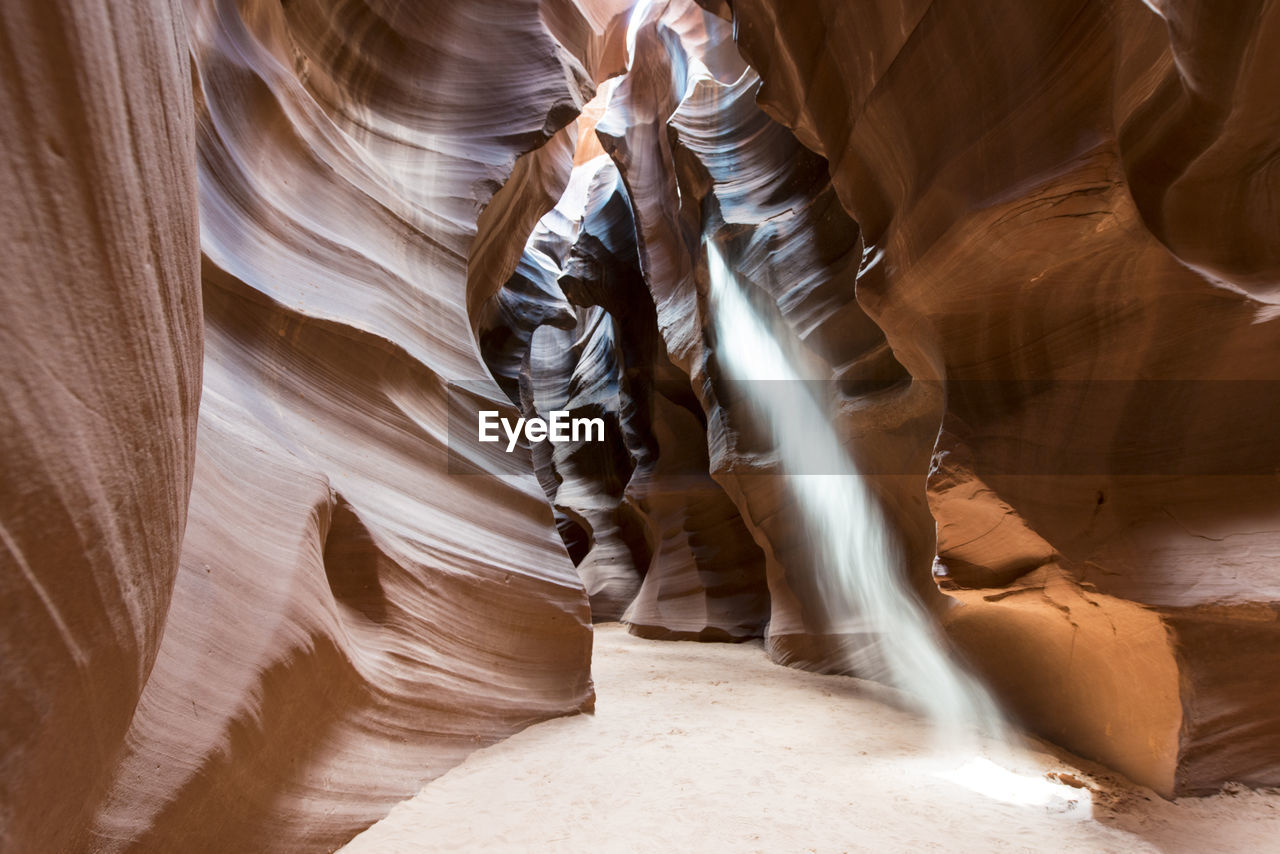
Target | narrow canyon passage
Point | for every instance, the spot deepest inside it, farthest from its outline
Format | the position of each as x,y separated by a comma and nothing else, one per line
712,748
920,360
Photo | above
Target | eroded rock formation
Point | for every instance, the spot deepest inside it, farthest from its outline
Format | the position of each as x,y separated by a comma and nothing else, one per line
100,333
1064,211
656,540
332,642
1093,374
345,621
1027,252
703,162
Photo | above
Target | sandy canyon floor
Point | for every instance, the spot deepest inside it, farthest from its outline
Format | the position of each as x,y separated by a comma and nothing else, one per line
710,747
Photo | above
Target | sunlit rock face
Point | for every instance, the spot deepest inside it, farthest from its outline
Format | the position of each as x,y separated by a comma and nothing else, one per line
100,380
703,162
553,354
348,620
1028,251
767,203
656,541
1067,211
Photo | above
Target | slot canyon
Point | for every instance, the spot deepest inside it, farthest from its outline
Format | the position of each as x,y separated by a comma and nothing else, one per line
934,348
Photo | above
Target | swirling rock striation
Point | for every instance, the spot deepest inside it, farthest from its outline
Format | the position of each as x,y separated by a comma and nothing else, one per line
703,162
656,541
1028,250
348,618
99,386
1064,216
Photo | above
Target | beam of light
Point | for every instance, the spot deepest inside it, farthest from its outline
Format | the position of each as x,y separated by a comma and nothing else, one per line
860,575
638,13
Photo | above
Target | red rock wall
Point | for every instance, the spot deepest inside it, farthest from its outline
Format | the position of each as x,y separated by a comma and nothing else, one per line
100,331
700,158
345,619
1064,209
656,541
1036,241
349,620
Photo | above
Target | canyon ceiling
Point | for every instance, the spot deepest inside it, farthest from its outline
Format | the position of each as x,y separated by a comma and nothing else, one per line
258,585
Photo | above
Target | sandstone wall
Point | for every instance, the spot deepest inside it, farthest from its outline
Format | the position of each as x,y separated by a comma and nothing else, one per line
334,617
100,330
1064,211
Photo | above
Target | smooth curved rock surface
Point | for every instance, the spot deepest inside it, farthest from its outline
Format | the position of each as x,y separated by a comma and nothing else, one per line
351,618
700,158
1028,250
656,541
1064,215
100,330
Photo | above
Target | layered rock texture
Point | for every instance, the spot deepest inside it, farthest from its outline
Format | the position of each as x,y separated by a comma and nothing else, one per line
100,331
1061,386
345,620
349,620
656,540
258,586
1068,218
